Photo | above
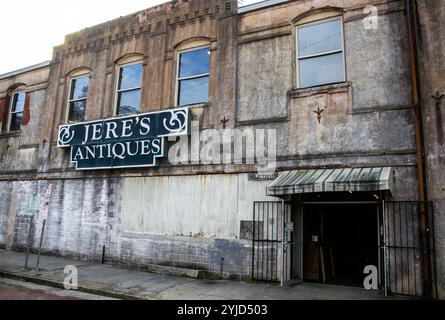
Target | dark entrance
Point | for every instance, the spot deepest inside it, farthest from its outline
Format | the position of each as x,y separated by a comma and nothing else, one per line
330,238
340,239
340,236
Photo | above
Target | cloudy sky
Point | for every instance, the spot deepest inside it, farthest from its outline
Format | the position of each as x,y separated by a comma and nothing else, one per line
30,28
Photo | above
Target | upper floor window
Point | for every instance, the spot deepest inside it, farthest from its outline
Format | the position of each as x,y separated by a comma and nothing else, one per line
193,76
77,99
128,95
320,53
16,111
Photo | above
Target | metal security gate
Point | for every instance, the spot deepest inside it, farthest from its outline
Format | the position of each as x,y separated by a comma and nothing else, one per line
269,218
409,258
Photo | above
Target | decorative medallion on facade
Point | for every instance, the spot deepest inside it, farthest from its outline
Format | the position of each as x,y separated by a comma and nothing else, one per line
130,141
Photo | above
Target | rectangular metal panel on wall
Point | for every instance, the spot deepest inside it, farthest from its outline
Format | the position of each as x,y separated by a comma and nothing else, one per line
212,206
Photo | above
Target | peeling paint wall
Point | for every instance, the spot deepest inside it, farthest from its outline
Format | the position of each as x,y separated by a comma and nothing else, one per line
188,252
378,70
370,112
265,71
84,215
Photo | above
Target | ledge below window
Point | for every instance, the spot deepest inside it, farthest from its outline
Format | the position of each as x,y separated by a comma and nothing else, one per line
194,105
330,88
10,134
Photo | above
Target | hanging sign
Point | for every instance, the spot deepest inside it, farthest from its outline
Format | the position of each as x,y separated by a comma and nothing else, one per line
124,142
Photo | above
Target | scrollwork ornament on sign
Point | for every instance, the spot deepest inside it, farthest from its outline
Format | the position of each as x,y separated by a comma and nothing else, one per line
65,135
175,124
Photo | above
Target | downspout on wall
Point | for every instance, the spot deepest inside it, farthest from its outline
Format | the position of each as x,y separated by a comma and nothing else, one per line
420,147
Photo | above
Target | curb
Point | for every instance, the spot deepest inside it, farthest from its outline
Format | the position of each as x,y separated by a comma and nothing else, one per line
59,285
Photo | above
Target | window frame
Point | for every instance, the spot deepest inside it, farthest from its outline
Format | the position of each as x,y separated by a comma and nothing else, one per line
298,58
117,91
178,79
10,112
69,100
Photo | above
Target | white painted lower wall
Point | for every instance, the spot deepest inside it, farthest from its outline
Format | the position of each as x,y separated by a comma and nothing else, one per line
211,206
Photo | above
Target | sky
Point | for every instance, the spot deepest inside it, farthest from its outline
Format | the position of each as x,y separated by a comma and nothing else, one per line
29,29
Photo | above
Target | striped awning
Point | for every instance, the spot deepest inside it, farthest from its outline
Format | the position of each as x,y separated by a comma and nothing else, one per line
331,180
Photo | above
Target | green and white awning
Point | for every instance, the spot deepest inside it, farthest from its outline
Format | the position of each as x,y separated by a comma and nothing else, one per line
331,180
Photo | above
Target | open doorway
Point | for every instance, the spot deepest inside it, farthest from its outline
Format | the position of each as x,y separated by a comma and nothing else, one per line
339,240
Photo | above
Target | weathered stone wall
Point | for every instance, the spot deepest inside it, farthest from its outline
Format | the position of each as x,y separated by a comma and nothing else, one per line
264,77
83,215
153,35
86,214
202,254
18,150
365,121
369,113
431,46
5,203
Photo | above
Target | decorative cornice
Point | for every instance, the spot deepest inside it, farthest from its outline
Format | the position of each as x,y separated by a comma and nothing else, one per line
149,25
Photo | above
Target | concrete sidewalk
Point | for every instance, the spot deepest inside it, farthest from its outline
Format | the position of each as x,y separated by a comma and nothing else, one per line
121,283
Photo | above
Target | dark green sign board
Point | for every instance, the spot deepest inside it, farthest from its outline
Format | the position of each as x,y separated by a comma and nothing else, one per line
130,141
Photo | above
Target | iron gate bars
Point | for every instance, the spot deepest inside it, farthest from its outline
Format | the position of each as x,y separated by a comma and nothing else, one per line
403,246
406,251
267,237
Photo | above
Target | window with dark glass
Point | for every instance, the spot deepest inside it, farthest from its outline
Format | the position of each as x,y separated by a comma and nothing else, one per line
193,76
129,89
78,98
320,53
16,113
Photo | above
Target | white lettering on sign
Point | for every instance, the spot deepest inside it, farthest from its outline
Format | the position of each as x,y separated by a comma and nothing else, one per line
122,142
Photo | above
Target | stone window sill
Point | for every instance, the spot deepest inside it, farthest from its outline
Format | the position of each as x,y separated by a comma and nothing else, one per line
10,134
330,88
194,106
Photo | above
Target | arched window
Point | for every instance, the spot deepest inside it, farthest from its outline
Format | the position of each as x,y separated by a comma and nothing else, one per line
77,95
129,85
319,48
193,73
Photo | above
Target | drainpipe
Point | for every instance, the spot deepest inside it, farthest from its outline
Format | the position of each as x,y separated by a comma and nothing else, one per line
423,196
283,246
